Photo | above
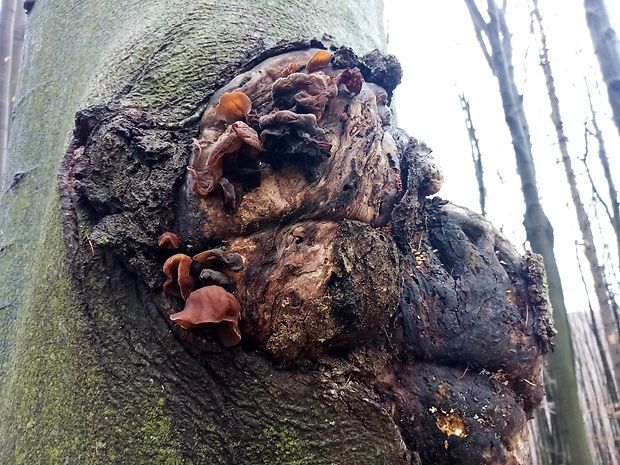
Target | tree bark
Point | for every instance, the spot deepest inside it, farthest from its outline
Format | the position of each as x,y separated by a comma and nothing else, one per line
569,423
362,306
607,49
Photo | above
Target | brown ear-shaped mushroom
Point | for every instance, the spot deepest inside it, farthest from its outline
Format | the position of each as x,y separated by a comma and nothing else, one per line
179,282
168,241
212,304
233,106
310,92
319,60
290,69
208,166
210,258
352,79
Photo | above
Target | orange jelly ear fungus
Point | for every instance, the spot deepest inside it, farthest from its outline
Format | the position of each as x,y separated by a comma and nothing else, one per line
179,282
233,106
169,241
319,60
212,304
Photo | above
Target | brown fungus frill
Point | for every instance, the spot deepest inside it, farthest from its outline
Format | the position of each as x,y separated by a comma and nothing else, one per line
179,281
208,167
218,257
233,106
294,138
212,304
305,93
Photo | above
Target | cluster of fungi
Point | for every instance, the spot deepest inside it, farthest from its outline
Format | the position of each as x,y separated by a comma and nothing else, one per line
236,139
302,225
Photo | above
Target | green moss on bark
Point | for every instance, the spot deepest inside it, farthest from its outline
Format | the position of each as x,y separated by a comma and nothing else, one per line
57,403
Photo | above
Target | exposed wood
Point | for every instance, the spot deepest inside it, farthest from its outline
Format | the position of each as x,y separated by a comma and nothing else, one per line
603,429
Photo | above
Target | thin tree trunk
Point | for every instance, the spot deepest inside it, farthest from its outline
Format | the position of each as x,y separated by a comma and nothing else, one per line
569,424
613,214
597,271
7,21
607,49
476,156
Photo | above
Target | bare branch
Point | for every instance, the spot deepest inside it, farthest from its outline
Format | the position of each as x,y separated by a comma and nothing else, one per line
480,26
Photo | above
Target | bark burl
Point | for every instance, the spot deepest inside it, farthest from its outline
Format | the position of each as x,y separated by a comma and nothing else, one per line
374,322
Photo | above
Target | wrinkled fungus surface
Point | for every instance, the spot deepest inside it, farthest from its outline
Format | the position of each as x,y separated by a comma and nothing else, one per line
212,304
305,234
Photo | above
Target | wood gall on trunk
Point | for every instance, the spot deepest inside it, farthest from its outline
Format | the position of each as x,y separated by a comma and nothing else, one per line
311,234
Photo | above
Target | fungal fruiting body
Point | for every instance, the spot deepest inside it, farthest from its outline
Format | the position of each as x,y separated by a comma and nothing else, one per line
233,106
168,241
212,304
209,156
209,304
179,281
319,60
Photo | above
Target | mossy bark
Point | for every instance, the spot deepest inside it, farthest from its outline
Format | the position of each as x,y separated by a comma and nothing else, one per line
58,401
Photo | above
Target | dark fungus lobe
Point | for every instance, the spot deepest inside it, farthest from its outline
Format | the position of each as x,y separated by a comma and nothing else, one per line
384,70
294,138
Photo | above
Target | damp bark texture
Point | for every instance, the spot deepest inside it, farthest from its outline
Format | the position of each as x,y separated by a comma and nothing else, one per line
376,326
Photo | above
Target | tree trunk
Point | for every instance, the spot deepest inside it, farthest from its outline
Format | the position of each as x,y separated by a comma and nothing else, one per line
476,156
569,423
376,328
613,210
583,220
607,49
7,20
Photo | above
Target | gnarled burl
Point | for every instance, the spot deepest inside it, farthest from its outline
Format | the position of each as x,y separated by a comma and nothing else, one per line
378,325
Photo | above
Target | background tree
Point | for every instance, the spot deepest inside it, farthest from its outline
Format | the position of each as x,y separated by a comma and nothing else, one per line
7,83
476,156
568,428
583,219
607,49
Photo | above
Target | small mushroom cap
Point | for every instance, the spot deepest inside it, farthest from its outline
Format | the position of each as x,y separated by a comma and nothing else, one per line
290,69
169,241
233,106
212,304
179,282
319,60
213,257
